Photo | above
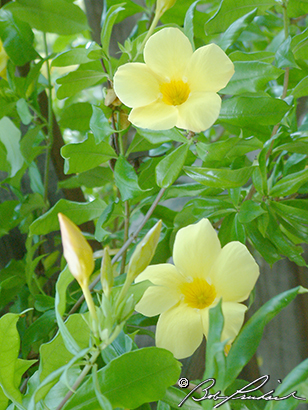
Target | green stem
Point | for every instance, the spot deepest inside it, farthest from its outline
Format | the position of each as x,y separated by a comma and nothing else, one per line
49,138
126,230
91,307
149,33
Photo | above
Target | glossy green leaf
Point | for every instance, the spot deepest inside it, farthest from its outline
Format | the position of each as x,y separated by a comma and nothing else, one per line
174,396
95,177
235,30
78,55
78,212
301,89
108,20
23,111
251,76
140,144
136,377
189,22
77,116
159,137
297,8
99,125
126,179
246,344
10,137
169,169
56,16
247,111
262,56
12,280
289,184
299,45
220,178
17,38
85,155
249,211
263,245
284,56
8,216
231,229
75,81
230,11
293,209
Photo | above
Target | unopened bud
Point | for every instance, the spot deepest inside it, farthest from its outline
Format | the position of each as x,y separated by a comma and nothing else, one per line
110,97
163,5
144,252
3,61
106,273
77,252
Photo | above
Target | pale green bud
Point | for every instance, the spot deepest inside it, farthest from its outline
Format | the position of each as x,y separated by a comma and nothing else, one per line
106,273
163,5
144,252
77,251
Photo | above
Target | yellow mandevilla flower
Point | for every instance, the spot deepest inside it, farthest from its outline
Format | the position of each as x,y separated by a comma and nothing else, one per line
203,274
3,61
175,86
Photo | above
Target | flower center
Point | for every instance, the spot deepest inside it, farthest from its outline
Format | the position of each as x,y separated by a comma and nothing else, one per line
175,92
198,294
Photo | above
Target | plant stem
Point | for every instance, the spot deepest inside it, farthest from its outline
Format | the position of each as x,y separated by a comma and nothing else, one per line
149,33
91,307
79,380
49,139
125,246
126,230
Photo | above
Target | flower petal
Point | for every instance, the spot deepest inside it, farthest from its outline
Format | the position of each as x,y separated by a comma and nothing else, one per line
136,85
234,273
168,52
209,69
196,248
155,116
234,318
199,112
179,330
165,294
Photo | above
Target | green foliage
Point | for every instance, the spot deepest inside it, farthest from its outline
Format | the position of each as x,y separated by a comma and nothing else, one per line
247,174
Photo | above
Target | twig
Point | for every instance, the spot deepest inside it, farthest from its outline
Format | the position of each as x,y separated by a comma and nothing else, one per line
132,238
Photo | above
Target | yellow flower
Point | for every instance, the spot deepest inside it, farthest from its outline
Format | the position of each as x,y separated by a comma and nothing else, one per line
3,61
163,5
175,86
77,252
202,273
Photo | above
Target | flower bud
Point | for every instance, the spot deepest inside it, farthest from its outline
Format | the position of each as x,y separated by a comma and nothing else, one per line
3,61
144,252
106,273
77,252
163,5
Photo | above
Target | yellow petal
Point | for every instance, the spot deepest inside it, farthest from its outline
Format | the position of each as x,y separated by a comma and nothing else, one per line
209,69
135,85
179,330
196,248
234,318
234,273
155,116
168,52
199,112
165,294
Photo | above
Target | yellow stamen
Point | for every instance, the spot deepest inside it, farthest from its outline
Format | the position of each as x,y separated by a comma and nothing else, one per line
175,92
198,294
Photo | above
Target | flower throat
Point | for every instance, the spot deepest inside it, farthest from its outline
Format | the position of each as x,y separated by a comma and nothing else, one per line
175,92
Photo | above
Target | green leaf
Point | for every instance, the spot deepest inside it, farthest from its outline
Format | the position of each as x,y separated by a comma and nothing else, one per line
78,212
249,211
174,396
297,8
107,23
247,111
231,230
23,111
299,45
78,55
301,89
284,56
56,16
234,31
126,179
246,344
99,125
251,76
17,38
189,22
8,216
262,56
85,155
290,184
77,116
10,137
159,137
168,169
9,350
75,81
229,11
220,178
295,209
136,377
95,177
